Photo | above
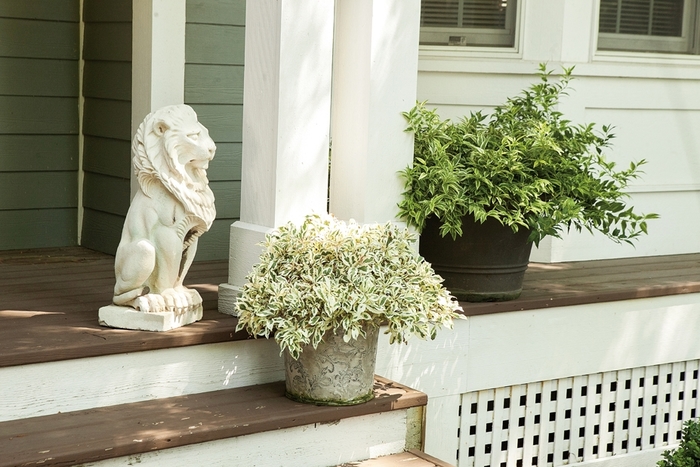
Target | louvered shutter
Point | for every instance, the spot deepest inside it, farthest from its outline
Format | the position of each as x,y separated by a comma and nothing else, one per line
643,17
464,13
474,22
646,25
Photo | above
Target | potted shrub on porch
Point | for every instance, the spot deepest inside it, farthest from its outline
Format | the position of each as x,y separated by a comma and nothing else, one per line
484,189
323,288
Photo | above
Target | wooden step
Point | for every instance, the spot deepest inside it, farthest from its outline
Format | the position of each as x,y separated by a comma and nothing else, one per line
410,458
151,429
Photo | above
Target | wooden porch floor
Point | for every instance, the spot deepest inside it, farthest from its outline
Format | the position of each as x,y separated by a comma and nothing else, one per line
49,299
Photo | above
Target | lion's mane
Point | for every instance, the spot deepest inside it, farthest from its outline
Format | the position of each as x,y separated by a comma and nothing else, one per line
156,161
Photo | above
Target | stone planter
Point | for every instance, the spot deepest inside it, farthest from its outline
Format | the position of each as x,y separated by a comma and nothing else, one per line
487,263
336,373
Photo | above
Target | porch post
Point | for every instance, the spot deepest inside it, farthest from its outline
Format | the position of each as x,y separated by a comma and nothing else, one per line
158,59
375,73
286,122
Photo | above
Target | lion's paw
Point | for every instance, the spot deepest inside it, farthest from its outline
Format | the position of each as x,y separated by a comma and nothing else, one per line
173,300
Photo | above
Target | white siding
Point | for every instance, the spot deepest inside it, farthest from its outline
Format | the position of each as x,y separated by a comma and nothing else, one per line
653,101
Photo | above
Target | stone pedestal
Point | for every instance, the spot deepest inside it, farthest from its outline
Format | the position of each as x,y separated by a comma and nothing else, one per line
124,317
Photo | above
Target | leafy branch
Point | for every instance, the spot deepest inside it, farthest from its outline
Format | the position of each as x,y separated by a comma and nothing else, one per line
524,165
325,275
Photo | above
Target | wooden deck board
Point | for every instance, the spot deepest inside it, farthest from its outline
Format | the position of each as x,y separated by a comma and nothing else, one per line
575,283
128,429
412,458
49,299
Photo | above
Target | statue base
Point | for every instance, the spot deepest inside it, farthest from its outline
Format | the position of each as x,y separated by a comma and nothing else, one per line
124,317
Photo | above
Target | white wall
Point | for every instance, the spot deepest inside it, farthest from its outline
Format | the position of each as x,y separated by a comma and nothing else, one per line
653,101
500,351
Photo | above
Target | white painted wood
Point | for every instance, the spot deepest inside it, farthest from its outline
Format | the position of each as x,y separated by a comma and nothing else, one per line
672,234
583,342
64,386
286,122
636,411
568,420
244,251
516,430
607,416
442,422
578,31
286,116
575,340
530,450
374,80
578,412
647,458
468,429
158,59
620,434
542,25
318,445
437,367
652,99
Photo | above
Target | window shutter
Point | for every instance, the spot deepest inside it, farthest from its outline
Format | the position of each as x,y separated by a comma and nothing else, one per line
439,13
642,17
487,14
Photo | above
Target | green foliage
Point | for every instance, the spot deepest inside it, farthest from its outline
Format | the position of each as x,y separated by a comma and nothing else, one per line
688,452
327,275
525,165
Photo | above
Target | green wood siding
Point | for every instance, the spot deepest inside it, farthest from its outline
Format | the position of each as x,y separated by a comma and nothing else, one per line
56,10
106,156
228,12
42,228
38,190
31,77
99,229
38,153
39,39
106,122
39,68
214,51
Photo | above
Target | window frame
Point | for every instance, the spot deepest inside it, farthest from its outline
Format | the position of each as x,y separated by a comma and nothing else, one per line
687,43
432,36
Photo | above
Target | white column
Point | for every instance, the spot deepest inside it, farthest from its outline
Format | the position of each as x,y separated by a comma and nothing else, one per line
158,59
286,123
375,72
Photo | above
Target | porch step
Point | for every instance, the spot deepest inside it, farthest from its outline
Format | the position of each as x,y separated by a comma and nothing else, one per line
59,359
254,425
410,458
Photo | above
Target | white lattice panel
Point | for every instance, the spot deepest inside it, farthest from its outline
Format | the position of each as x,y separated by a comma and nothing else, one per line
577,419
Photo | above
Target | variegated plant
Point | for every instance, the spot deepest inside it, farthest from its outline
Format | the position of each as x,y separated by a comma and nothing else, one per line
326,275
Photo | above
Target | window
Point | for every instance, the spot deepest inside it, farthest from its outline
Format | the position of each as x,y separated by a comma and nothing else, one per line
647,25
468,22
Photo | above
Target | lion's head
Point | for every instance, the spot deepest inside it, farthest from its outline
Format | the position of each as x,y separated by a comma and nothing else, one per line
171,147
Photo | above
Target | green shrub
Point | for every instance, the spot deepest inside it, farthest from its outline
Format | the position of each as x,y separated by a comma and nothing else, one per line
524,165
688,452
328,275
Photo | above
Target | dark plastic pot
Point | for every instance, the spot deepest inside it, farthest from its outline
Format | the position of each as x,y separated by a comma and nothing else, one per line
486,264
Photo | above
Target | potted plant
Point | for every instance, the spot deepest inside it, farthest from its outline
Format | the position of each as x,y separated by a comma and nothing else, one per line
520,174
324,287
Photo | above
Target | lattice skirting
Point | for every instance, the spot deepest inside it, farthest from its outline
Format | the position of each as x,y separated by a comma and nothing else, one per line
577,419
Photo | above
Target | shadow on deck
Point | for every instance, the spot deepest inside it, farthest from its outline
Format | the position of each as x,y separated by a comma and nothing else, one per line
49,299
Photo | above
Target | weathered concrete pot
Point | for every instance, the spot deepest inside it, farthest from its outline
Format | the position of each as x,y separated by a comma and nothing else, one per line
335,373
487,263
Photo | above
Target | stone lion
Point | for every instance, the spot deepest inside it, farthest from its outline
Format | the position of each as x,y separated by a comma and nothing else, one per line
172,208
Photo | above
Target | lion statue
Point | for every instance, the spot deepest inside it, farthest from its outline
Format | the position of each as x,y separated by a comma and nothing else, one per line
172,208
